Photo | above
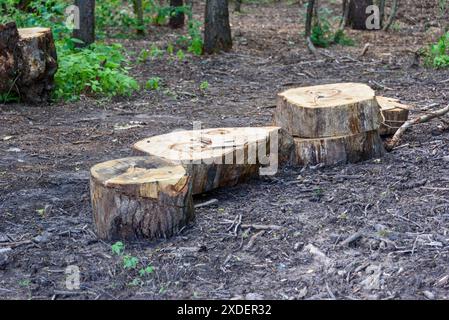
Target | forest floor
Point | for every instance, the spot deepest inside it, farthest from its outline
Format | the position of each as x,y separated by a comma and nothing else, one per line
400,202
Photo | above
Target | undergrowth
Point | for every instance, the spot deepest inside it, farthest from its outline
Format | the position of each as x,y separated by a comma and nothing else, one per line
437,55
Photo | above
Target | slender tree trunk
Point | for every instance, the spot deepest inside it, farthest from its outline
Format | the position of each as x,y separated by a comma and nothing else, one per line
357,13
86,32
176,18
217,30
309,20
394,11
138,13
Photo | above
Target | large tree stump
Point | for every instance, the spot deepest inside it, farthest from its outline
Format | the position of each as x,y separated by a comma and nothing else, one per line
27,62
140,197
221,157
338,150
394,115
328,110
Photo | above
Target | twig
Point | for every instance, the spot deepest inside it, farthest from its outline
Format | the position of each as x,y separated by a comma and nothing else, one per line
261,226
425,118
205,204
253,239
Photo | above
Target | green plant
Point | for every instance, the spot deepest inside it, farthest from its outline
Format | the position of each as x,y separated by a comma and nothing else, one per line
437,55
155,51
143,56
322,34
130,262
153,83
146,271
118,248
170,49
97,69
204,86
180,54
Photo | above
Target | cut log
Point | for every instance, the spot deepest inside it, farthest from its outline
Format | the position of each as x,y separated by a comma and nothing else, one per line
221,157
338,150
328,110
394,115
27,62
140,197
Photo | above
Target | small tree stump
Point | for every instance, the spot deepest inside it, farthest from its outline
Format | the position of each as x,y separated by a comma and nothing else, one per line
394,115
221,157
140,197
328,110
338,150
27,62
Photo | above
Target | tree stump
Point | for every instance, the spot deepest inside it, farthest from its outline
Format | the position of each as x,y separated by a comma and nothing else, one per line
358,17
394,115
328,110
221,157
140,197
338,150
27,62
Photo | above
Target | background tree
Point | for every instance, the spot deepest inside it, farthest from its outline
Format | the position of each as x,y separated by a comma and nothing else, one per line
138,12
177,17
238,6
357,15
86,32
217,31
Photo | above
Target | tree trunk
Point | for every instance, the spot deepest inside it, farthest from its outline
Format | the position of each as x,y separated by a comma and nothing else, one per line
176,19
357,14
140,197
394,115
338,150
138,13
217,31
220,157
27,62
86,32
328,110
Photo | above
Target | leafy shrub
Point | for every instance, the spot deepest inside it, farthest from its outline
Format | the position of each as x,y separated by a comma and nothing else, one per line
153,83
437,55
322,34
97,69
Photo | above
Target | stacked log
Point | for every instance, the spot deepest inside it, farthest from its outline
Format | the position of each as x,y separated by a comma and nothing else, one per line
221,157
27,62
394,115
140,197
331,124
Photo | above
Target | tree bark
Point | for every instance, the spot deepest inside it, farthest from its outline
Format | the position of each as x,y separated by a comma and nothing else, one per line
176,19
140,197
309,21
338,150
138,12
328,110
27,62
217,30
357,14
86,32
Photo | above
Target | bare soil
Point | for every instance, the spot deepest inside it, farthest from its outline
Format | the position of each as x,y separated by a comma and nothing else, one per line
399,204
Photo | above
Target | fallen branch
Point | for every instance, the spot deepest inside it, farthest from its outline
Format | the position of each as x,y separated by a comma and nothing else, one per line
425,118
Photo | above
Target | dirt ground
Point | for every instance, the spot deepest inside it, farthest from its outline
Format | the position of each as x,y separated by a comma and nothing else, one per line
400,202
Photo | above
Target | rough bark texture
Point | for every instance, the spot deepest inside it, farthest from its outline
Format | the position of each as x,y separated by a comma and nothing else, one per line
217,30
177,19
328,110
220,157
337,150
86,32
394,115
140,197
9,39
28,62
357,14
